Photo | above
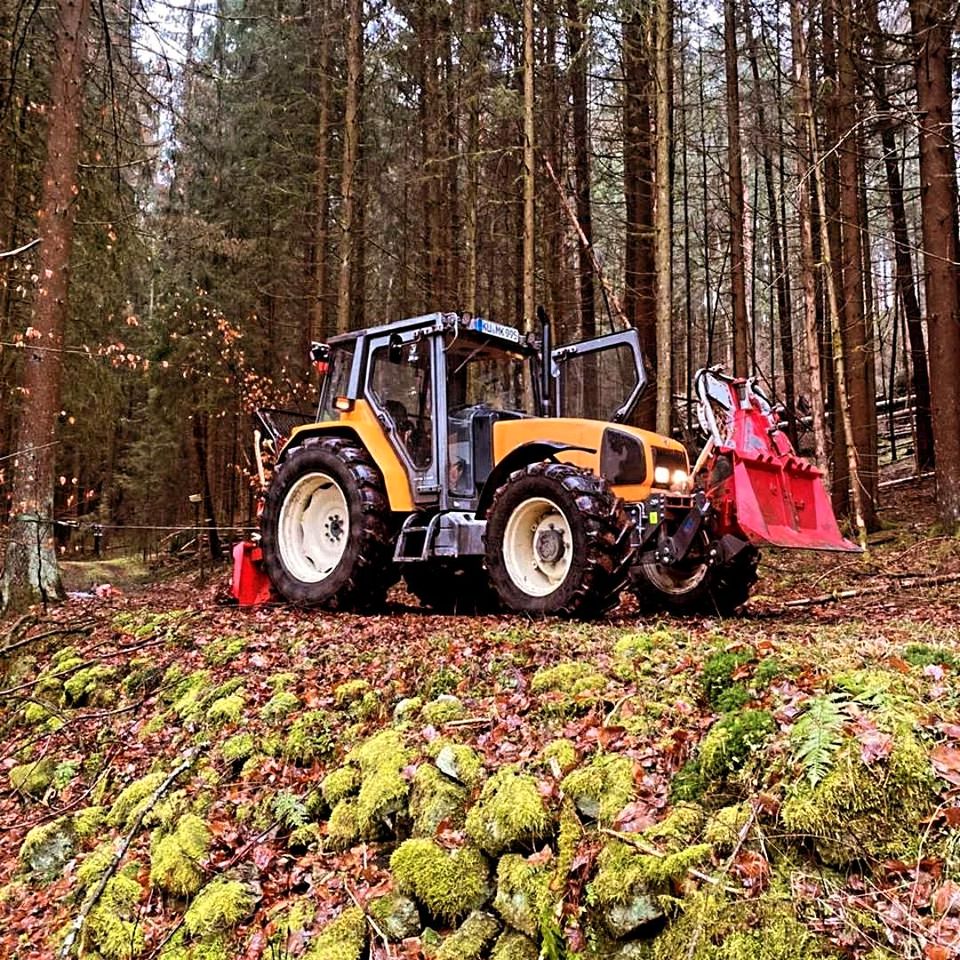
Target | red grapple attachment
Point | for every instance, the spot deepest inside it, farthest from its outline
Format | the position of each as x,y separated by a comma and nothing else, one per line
251,585
759,488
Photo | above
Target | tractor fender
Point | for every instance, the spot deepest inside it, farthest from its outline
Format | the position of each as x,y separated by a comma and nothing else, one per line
362,425
522,456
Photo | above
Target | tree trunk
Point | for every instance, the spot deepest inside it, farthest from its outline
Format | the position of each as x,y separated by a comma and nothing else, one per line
906,283
932,22
741,359
529,183
576,30
319,329
31,574
639,268
803,109
663,218
346,311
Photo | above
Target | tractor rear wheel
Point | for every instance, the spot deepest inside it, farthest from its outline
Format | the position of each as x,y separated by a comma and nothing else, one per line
452,586
696,586
557,541
325,527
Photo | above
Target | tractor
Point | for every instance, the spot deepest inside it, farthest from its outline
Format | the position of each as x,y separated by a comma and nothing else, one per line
492,470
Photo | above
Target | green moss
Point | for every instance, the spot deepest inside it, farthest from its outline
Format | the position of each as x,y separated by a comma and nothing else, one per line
224,649
47,848
175,858
470,940
279,706
434,800
36,713
560,756
457,761
407,708
343,939
523,893
89,821
112,927
719,687
64,772
396,916
34,777
228,709
180,947
189,693
724,827
342,827
90,685
447,884
95,865
568,840
858,810
510,811
601,788
218,907
133,799
384,788
442,710
687,783
511,945
143,676
237,748
732,740
310,738
924,655
681,827
633,646
304,838
340,783
352,690
710,928
570,685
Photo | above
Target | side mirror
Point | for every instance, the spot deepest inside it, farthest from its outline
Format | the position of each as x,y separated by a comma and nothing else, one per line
320,357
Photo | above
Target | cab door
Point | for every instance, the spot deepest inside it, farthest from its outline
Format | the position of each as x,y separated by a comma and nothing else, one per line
601,378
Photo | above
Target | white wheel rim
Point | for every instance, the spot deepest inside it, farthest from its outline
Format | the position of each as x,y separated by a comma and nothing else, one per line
314,527
538,547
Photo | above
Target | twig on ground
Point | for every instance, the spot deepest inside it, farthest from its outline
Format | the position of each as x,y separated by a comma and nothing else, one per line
913,583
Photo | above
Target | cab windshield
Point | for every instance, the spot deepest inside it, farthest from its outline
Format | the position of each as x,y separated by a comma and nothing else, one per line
484,373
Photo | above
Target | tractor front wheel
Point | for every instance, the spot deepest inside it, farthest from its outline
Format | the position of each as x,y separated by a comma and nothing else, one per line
325,527
557,541
696,585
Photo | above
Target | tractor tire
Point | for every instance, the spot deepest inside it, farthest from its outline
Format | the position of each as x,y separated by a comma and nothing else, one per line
452,586
326,527
698,588
557,542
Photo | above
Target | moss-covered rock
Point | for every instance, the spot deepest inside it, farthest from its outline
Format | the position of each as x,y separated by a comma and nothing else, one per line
856,809
721,690
471,939
343,830
112,929
407,708
340,783
343,939
724,827
88,821
176,858
279,706
224,649
310,738
523,893
396,916
511,945
218,907
560,756
350,691
48,848
435,799
509,812
133,800
732,740
711,928
91,685
237,748
460,763
569,686
95,865
34,777
227,709
447,884
443,710
601,788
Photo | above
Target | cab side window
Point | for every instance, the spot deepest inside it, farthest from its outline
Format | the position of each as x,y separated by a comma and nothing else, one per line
400,381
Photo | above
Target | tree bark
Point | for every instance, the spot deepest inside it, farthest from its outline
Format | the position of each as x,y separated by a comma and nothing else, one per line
319,329
31,574
932,22
529,183
346,310
663,217
639,267
738,277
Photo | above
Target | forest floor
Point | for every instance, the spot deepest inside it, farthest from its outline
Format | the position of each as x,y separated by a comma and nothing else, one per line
182,779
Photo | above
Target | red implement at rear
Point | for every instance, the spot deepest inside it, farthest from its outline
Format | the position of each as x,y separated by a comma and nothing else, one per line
251,585
759,488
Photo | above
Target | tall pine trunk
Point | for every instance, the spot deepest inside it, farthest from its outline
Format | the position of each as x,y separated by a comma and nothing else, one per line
933,32
663,217
31,574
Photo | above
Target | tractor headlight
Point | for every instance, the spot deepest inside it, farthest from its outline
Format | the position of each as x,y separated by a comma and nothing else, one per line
678,480
670,470
661,476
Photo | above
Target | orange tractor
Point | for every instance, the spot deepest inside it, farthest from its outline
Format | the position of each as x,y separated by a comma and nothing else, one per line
492,470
